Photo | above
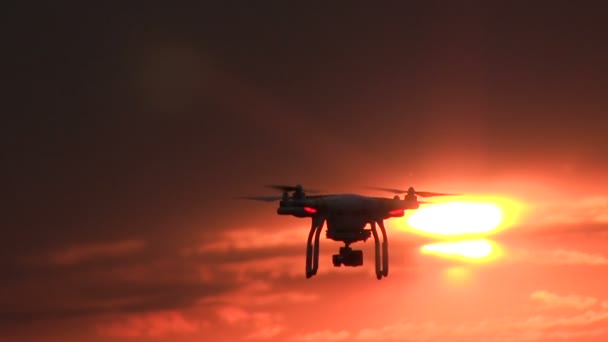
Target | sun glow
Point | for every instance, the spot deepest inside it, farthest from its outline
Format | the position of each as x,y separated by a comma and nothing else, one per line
467,250
462,217
457,276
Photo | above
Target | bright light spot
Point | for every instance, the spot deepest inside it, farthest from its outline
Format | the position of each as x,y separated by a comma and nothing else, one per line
462,217
469,250
456,218
458,276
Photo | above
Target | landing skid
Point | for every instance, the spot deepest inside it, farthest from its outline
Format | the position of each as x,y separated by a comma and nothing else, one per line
381,262
347,256
312,251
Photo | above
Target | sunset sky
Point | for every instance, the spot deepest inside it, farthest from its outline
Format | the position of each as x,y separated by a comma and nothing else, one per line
129,130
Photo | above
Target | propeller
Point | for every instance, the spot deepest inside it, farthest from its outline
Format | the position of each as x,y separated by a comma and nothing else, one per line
287,188
394,191
433,194
412,191
261,198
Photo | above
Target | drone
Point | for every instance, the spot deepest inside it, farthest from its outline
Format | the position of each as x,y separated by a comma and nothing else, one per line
347,216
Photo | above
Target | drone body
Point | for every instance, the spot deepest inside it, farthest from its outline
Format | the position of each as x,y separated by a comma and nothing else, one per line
346,217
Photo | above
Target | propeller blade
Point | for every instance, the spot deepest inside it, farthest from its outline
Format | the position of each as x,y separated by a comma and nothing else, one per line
261,198
418,193
391,190
283,188
432,194
286,188
318,196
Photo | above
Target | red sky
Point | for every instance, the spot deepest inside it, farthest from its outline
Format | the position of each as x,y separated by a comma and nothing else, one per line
130,130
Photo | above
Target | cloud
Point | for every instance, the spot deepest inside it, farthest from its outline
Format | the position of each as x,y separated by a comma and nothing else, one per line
323,335
545,322
261,325
250,298
567,335
575,257
266,332
570,301
89,300
241,307
280,268
252,238
150,281
552,231
232,314
78,254
572,257
533,327
272,267
270,263
146,278
558,257
276,254
593,209
399,331
150,324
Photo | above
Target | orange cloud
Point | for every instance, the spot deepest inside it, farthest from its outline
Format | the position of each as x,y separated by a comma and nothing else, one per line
77,254
232,314
150,324
545,322
266,332
250,298
293,267
273,267
324,335
397,331
556,301
593,209
535,327
560,257
252,238
262,325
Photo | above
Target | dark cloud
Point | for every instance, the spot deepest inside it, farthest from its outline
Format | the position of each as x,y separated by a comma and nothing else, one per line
167,279
130,284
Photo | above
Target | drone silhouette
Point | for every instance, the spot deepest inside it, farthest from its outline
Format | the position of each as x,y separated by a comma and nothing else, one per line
347,216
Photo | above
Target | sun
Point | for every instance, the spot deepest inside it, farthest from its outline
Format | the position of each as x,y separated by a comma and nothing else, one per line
457,218
461,217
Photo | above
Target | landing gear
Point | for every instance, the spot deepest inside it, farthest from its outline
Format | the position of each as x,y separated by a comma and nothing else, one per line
348,257
312,251
381,262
